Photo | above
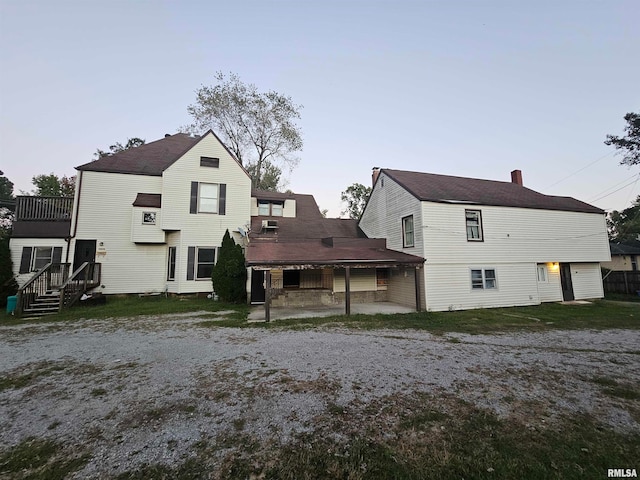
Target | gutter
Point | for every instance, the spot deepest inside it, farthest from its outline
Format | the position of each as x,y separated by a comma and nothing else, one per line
77,210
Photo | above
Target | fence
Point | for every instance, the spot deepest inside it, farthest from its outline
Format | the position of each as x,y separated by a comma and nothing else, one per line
622,282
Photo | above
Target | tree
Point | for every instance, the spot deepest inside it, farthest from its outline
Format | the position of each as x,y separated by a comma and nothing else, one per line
53,186
624,226
7,203
229,275
6,188
258,128
356,197
118,147
629,145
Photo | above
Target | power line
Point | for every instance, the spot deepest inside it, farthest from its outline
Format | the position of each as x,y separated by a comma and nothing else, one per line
583,168
617,190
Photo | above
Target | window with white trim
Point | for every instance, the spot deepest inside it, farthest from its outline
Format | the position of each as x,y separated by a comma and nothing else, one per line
171,264
208,198
407,231
41,256
473,220
483,279
273,209
542,273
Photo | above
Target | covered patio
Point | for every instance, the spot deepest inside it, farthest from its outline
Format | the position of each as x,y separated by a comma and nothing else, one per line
282,313
353,269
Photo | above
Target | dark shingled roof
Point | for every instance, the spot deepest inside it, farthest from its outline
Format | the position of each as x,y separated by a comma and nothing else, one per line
317,252
626,248
311,239
148,200
149,159
448,189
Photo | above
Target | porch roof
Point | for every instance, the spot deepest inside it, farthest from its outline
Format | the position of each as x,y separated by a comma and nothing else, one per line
322,253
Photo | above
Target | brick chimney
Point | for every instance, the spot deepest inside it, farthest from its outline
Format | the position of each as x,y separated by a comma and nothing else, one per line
374,175
516,177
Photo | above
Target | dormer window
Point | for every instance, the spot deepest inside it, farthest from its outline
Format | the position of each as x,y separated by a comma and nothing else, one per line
270,209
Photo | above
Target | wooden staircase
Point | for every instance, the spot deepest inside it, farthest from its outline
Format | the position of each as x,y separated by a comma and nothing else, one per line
46,304
52,288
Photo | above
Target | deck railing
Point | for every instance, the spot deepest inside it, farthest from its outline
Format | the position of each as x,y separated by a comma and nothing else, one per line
43,208
49,277
86,277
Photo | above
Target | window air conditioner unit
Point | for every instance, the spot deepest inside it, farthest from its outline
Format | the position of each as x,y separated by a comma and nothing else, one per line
269,224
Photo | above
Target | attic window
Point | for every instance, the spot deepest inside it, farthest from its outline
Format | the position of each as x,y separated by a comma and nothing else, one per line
210,162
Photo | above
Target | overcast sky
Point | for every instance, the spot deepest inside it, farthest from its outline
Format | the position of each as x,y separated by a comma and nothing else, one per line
467,88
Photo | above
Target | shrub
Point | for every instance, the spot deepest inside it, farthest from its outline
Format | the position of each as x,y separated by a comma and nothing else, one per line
229,274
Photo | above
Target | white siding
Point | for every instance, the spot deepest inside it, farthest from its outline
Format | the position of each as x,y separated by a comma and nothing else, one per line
449,286
551,290
402,287
514,235
203,229
515,240
587,280
146,233
382,218
360,280
104,215
15,247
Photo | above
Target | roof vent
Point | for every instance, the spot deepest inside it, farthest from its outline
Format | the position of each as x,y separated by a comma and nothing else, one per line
167,135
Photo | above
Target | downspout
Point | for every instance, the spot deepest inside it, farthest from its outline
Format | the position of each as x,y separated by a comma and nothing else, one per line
77,212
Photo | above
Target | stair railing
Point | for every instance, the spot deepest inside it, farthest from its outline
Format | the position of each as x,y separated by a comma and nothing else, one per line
86,277
52,275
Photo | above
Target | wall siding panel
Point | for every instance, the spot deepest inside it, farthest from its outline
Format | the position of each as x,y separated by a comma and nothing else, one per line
587,280
15,247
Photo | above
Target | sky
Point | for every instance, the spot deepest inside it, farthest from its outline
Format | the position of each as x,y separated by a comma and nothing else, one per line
466,88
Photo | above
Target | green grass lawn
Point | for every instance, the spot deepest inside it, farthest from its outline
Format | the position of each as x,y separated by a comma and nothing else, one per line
131,306
601,314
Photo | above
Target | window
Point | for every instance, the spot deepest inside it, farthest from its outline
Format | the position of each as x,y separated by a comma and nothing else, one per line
382,277
149,218
483,279
171,266
291,279
205,260
273,209
474,225
209,162
208,198
407,231
542,273
41,256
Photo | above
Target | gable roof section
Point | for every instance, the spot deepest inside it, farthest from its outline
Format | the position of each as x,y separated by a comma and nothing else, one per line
151,158
473,191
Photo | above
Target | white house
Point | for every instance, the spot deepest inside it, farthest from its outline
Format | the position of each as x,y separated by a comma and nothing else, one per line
153,216
488,243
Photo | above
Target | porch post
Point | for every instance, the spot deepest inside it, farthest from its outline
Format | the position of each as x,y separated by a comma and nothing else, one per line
267,295
347,287
417,281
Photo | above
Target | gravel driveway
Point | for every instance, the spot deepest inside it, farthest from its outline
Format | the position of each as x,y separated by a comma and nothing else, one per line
142,391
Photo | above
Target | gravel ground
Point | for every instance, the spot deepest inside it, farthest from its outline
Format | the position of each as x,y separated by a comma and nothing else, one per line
146,390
